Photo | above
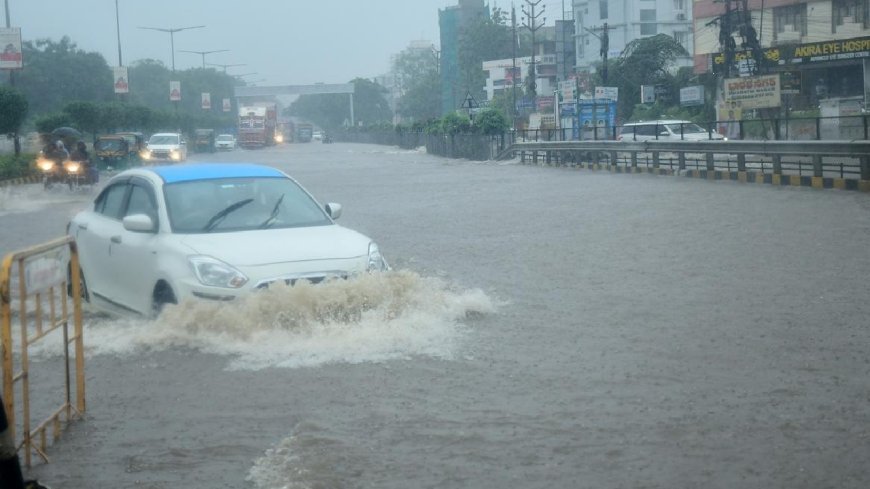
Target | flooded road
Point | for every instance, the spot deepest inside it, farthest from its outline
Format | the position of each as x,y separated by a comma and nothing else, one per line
542,327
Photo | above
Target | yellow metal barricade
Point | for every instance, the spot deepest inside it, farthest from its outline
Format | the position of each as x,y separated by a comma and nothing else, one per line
38,280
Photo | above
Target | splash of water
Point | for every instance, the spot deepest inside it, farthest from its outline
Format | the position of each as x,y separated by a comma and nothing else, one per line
372,318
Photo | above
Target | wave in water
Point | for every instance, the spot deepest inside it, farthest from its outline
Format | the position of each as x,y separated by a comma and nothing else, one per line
372,318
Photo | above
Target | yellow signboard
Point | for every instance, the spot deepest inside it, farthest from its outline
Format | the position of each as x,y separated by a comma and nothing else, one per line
754,92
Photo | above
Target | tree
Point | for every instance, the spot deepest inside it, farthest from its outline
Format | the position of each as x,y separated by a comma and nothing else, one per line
85,116
491,121
59,72
13,110
644,61
419,84
482,40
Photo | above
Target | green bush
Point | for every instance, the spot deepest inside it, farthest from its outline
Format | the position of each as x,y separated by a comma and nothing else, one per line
12,166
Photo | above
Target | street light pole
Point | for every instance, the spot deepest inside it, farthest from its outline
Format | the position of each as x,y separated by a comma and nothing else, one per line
172,31
118,30
203,53
226,66
17,141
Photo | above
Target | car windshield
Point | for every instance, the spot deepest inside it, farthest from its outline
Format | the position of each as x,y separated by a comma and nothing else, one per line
108,144
688,128
240,204
163,139
224,138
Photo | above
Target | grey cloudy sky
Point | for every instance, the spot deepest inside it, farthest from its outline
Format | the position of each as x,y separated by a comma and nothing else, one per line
283,41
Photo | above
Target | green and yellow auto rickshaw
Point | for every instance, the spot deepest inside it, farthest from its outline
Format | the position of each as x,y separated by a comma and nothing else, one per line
112,151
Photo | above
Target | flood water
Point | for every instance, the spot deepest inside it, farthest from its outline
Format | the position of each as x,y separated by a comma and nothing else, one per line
541,328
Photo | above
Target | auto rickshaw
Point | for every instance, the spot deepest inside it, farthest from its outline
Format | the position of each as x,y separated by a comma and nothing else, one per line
135,142
203,140
112,151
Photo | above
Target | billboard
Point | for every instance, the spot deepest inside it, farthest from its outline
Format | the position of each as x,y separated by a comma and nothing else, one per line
607,93
175,91
121,81
10,48
693,95
227,105
753,92
206,101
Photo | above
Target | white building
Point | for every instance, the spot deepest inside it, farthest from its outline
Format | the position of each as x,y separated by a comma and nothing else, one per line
626,21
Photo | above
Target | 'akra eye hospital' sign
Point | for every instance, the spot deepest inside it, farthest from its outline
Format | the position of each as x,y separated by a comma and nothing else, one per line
754,92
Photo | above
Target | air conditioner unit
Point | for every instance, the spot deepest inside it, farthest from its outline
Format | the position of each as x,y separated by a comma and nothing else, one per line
681,16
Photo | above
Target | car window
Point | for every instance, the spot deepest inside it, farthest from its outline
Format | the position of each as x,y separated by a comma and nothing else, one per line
110,201
141,202
646,130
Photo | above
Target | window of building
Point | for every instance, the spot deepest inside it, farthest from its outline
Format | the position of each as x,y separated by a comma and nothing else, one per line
790,19
682,38
648,22
847,12
679,5
602,8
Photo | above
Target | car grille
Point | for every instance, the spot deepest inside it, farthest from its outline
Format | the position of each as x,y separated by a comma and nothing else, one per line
312,279
164,154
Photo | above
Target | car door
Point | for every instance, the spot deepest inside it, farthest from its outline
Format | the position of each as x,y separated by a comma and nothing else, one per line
134,254
93,234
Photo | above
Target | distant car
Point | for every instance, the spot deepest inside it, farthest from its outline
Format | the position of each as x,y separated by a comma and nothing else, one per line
225,142
167,234
165,146
666,130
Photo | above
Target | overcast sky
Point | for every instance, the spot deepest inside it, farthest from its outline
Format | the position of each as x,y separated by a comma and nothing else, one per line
283,41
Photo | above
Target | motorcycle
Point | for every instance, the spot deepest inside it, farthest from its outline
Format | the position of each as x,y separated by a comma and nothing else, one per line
52,172
72,173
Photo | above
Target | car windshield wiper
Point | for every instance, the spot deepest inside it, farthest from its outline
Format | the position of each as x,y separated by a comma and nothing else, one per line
271,220
217,218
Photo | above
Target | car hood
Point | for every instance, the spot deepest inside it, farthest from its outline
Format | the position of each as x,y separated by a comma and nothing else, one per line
163,146
274,246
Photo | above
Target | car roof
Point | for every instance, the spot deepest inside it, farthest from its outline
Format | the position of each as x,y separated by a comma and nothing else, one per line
211,171
659,121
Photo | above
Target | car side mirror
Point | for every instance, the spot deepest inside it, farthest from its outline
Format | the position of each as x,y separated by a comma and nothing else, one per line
334,210
139,223
664,133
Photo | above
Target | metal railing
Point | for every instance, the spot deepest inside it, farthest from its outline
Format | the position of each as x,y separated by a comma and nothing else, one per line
848,128
41,281
833,159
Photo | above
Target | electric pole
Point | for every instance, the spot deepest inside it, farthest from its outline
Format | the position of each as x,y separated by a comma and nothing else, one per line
531,23
514,65
15,138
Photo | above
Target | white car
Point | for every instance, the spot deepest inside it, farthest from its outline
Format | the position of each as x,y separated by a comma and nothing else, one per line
667,130
165,234
165,146
225,142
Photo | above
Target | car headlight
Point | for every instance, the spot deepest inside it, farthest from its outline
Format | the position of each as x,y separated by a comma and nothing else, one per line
377,263
175,154
145,154
213,272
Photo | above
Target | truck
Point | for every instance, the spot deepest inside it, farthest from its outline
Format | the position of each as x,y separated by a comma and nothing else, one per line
257,125
304,131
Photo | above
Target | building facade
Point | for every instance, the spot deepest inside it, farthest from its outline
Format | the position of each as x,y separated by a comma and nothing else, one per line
626,21
820,48
452,20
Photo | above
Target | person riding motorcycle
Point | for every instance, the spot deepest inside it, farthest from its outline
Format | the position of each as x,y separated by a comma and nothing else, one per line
51,161
81,155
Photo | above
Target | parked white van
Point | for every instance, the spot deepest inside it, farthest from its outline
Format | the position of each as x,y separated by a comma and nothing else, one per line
666,130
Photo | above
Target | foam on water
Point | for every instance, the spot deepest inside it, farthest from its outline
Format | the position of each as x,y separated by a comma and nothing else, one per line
31,198
372,318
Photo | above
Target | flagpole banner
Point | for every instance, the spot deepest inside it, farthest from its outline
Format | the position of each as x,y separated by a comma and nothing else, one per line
206,101
10,49
175,91
227,105
121,83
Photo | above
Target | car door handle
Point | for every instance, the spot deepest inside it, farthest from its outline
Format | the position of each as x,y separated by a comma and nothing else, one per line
115,239
83,227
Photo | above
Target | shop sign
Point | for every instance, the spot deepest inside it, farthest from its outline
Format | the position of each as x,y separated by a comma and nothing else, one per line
753,92
830,50
608,93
